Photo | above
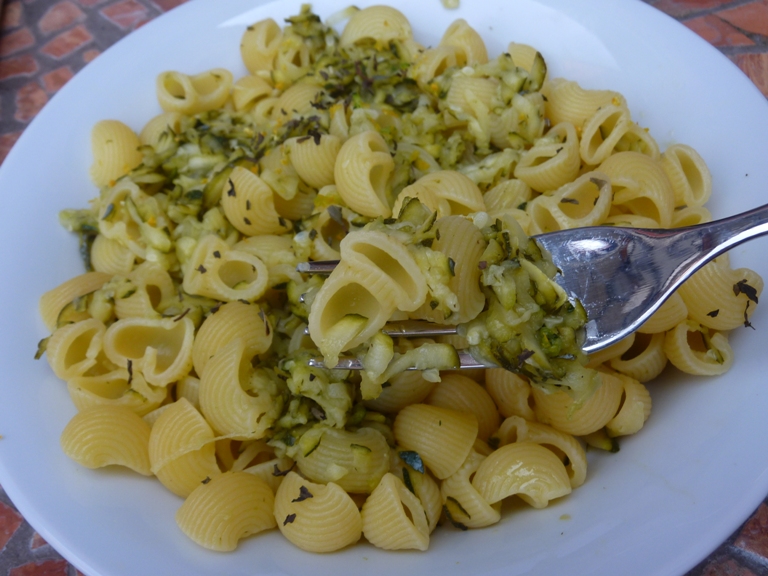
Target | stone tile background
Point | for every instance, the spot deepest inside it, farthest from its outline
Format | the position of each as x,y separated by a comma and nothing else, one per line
43,43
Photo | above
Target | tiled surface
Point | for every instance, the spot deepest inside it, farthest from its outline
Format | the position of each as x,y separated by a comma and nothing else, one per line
43,43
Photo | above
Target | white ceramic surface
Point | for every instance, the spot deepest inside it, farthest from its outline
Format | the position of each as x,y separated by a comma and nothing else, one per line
667,499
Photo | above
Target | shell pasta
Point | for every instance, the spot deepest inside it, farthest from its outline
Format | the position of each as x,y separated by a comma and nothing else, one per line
197,351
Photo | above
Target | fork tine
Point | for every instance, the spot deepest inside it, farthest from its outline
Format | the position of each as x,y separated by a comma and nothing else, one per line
466,362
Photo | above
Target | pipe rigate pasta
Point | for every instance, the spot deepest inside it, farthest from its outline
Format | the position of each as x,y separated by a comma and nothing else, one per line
692,349
77,349
510,392
231,321
468,43
645,360
523,469
316,517
116,388
115,150
463,394
356,461
181,448
224,401
720,297
55,300
387,525
361,172
219,272
108,435
558,409
259,45
563,445
441,436
463,504
227,508
160,348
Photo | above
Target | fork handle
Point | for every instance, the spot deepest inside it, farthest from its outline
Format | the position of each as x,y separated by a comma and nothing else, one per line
694,246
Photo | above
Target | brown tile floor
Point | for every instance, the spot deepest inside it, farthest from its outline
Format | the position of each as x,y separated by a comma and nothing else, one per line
43,43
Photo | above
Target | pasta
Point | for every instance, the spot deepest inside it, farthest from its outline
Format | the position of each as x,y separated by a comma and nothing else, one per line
191,346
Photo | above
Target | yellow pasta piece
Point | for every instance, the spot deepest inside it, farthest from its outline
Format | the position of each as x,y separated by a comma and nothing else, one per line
316,517
53,302
671,313
688,173
468,43
108,435
635,409
314,158
378,23
248,90
152,290
569,102
584,202
692,349
553,160
223,398
563,445
259,45
559,410
719,297
463,504
361,172
441,436
77,349
641,186
116,388
232,320
393,517
111,257
181,448
229,507
356,461
644,360
115,150
523,469
461,241
463,394
511,393
161,349
216,271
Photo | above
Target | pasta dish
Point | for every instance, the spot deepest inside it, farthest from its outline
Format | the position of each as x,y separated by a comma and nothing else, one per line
186,345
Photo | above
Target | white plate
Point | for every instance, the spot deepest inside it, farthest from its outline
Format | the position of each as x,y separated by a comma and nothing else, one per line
673,493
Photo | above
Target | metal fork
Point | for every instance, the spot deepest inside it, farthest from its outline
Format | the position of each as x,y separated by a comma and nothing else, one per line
620,275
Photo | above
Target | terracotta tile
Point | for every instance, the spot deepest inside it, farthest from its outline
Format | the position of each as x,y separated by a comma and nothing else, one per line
67,42
752,17
756,67
6,143
47,568
24,65
29,101
55,79
89,55
726,567
166,5
126,14
717,32
12,15
684,7
60,16
37,541
754,535
10,520
16,41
